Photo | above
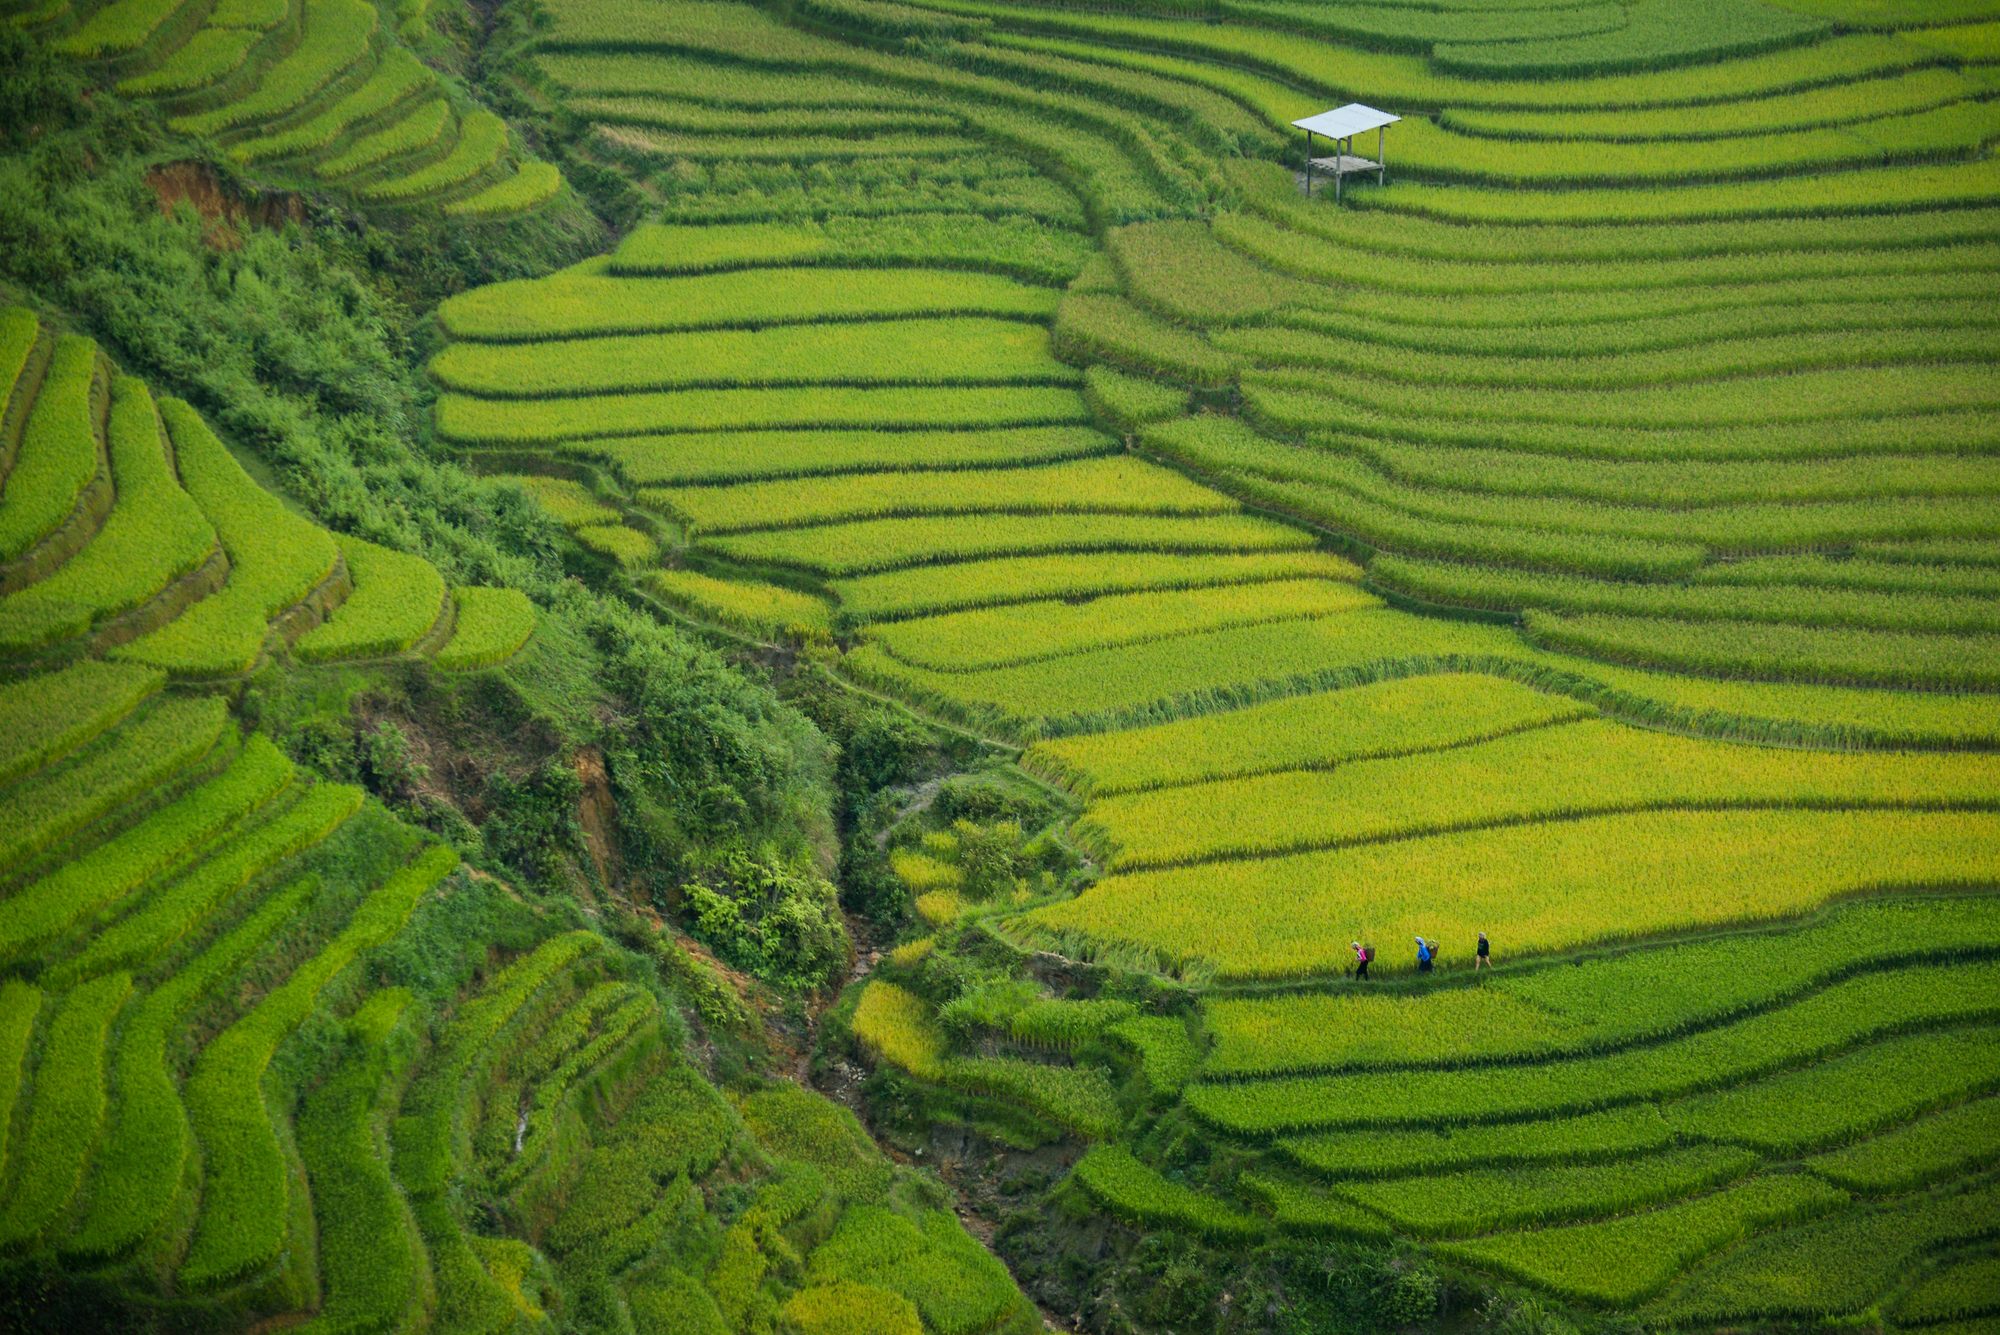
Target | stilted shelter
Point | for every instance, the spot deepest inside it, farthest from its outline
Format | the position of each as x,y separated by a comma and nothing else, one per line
1341,125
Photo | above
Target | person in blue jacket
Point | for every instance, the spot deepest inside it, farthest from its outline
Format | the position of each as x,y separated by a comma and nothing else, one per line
1425,950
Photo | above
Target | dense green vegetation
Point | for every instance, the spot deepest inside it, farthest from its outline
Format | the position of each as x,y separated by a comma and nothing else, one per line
566,564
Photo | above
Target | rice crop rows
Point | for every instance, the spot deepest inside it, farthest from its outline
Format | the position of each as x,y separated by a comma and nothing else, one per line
1662,364
1545,887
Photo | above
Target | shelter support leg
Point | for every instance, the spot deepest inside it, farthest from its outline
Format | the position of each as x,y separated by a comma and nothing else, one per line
1381,155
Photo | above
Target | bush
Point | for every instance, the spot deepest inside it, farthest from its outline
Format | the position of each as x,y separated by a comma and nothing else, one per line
779,923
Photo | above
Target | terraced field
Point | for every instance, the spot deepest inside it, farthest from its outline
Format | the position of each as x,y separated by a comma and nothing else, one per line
310,94
263,1042
1588,538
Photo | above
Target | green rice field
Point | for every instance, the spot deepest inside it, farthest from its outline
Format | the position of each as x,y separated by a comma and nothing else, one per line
1581,540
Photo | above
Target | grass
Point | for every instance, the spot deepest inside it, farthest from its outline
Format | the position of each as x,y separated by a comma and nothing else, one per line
761,609
491,627
1622,1261
1536,775
164,841
154,535
163,742
145,1150
58,454
473,421
1114,485
1140,1195
397,76
586,301
1540,888
1306,732
1942,1145
67,1110
45,717
245,1181
874,545
1484,1200
185,903
337,35
981,351
1589,1004
895,595
396,599
1822,1023
1015,246
530,186
482,138
712,458
276,559
1029,632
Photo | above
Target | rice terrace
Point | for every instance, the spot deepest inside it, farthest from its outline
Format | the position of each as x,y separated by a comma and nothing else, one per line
971,667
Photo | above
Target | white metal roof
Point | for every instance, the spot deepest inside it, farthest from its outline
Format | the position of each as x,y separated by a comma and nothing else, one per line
1344,121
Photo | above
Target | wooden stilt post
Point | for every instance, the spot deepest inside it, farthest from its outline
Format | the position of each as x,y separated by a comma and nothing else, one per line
1309,164
1381,155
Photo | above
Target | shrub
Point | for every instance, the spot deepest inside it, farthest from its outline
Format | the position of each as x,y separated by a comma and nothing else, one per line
779,923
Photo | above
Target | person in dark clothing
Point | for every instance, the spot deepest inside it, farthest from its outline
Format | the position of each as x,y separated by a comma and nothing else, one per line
1425,951
1484,959
1362,954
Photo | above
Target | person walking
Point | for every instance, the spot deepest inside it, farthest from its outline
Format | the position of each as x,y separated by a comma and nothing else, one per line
1362,954
1484,959
1424,952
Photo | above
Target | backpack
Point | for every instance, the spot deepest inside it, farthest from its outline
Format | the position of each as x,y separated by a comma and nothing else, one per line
1368,954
